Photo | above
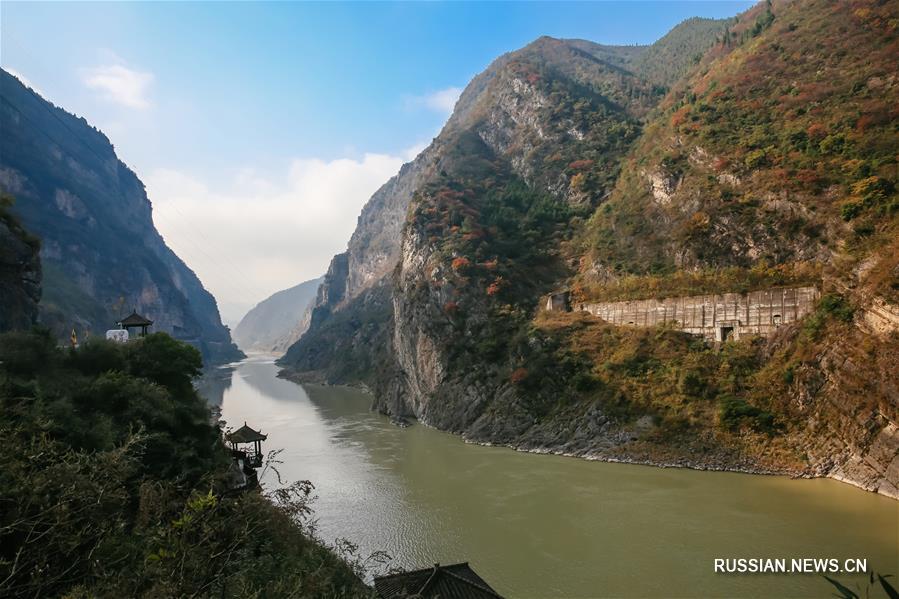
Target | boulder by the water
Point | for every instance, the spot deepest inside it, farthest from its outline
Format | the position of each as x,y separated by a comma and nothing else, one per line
400,421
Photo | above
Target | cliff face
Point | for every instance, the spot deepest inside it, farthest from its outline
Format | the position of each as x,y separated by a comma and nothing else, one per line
101,254
263,328
20,273
716,161
495,132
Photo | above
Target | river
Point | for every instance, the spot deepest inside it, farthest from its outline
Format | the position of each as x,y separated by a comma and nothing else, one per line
549,526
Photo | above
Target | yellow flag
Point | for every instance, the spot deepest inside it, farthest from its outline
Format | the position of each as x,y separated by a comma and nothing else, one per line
74,338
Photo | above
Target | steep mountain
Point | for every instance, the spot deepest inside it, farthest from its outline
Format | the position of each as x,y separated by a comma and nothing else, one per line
669,59
263,328
487,116
20,272
750,154
101,254
774,163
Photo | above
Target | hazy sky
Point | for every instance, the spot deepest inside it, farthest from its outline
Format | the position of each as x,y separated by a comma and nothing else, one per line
260,129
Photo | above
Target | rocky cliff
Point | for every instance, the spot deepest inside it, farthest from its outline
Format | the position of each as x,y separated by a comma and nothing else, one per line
738,156
101,254
20,272
263,328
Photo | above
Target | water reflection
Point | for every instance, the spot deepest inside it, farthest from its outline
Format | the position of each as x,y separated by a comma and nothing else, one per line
213,383
548,526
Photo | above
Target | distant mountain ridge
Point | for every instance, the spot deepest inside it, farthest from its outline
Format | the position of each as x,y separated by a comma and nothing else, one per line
102,256
278,321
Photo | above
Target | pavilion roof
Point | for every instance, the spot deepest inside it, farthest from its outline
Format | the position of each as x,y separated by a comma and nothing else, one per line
245,435
457,581
135,320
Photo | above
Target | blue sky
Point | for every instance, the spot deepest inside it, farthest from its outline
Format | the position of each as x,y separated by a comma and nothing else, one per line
284,117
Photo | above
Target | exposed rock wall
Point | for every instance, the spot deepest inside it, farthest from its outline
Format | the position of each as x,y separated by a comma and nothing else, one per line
849,395
101,254
880,318
433,306
373,249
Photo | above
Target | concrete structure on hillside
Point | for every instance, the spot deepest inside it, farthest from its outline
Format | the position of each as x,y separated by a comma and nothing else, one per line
715,317
560,301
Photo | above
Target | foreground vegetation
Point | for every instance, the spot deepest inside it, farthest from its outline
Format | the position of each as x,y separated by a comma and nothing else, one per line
113,483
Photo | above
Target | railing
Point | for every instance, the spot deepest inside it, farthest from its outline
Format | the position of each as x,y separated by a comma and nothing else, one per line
254,460
250,458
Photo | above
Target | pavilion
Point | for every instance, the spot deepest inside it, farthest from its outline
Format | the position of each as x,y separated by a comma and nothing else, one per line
135,321
245,436
458,581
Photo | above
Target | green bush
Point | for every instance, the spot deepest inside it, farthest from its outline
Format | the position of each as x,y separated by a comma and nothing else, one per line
115,485
735,412
164,360
850,210
837,306
692,384
831,306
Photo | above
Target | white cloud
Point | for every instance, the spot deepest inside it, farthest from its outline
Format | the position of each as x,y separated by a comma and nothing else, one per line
442,101
120,84
254,235
25,81
412,152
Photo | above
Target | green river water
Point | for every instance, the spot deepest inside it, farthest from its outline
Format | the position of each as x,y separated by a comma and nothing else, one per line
550,526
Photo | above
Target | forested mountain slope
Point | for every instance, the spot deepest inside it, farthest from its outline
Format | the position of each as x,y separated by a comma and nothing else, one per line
20,272
102,256
769,161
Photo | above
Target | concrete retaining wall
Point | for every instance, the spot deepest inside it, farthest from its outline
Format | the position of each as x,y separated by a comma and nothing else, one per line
715,317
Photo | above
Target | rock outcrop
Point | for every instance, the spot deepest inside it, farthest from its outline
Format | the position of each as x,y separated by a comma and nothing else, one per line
569,165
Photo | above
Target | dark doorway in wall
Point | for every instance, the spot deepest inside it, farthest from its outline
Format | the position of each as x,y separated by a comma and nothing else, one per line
727,333
777,320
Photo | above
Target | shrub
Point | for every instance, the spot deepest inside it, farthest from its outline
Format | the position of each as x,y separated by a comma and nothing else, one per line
26,354
97,356
116,485
836,305
735,412
578,165
692,384
755,159
496,286
850,210
164,360
519,375
461,263
830,306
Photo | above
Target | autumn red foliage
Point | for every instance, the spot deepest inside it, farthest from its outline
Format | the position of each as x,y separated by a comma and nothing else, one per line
496,286
579,165
519,375
461,263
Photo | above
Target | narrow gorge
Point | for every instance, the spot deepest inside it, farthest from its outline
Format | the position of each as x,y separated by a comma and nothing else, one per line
635,174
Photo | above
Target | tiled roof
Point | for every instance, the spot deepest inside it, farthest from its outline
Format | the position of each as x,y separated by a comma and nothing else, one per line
457,581
135,320
245,435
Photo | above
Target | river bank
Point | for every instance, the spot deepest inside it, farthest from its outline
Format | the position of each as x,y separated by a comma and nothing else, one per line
536,525
623,445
